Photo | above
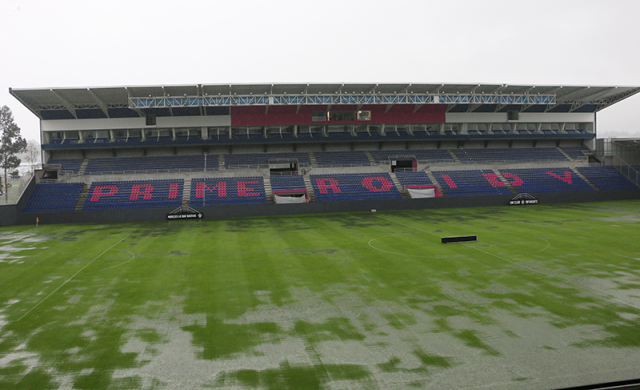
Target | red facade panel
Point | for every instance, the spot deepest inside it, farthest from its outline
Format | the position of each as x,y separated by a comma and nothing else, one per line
291,115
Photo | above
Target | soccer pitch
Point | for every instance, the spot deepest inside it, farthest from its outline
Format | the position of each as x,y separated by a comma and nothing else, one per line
548,297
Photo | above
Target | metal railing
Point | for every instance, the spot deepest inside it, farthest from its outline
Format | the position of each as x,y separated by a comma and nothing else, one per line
524,160
627,169
247,166
285,173
15,190
127,172
343,165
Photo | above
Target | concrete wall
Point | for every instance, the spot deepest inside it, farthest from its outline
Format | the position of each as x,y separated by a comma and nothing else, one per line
279,148
309,147
522,144
134,123
423,145
160,151
337,147
365,146
393,146
129,152
63,154
240,149
9,215
99,153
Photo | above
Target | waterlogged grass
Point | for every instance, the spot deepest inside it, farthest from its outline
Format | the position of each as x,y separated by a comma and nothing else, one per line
367,300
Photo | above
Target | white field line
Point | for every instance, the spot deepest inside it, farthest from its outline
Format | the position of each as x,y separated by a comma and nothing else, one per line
117,265
73,276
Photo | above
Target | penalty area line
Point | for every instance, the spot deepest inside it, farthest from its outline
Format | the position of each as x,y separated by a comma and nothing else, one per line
73,276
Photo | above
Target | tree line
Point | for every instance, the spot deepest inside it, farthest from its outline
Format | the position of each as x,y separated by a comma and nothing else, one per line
12,144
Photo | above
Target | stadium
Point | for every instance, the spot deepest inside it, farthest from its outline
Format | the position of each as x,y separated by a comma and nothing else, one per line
290,236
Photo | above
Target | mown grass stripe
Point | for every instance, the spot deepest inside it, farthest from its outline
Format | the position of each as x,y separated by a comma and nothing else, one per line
68,280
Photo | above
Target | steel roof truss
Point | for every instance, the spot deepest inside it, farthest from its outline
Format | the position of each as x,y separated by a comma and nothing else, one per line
101,104
65,103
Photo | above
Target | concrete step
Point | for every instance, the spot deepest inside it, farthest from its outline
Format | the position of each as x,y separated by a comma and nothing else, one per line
314,162
83,166
583,177
432,177
399,186
186,193
505,181
371,159
82,198
268,190
564,153
454,156
309,187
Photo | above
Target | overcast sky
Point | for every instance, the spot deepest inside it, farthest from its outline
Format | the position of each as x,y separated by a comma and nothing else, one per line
68,43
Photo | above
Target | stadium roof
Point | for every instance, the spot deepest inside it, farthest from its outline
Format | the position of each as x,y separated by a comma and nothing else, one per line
118,102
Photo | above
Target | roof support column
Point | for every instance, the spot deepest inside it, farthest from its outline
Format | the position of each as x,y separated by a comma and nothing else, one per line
464,128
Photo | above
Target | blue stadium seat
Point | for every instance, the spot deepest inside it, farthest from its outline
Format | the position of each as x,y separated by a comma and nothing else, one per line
413,179
576,152
53,197
341,159
354,186
151,164
471,182
535,180
134,194
223,191
287,183
478,156
262,159
71,165
426,155
607,178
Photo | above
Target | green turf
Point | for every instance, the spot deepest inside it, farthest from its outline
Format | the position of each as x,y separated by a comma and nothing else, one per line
548,297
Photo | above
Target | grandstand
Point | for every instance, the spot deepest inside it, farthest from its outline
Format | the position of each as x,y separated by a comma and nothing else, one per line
161,148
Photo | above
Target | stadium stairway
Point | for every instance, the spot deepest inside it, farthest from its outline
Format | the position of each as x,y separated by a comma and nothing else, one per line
371,159
309,187
268,191
565,154
83,166
583,177
432,177
83,195
186,194
505,181
456,158
221,162
314,162
399,186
